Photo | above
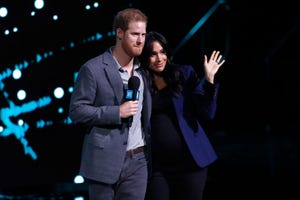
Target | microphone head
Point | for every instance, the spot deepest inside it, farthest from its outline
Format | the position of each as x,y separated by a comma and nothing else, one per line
133,83
133,93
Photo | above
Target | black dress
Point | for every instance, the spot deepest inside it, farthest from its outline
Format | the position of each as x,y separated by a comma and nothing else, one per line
169,150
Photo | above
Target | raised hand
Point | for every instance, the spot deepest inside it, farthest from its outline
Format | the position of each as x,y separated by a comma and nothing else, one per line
212,65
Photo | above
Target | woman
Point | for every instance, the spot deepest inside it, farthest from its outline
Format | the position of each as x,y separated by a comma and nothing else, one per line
181,102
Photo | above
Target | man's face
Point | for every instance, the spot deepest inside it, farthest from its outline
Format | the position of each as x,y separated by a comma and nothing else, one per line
133,39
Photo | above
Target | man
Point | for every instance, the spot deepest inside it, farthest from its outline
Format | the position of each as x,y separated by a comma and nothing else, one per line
114,155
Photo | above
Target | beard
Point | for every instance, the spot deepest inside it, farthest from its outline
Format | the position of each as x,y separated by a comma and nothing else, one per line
133,50
137,50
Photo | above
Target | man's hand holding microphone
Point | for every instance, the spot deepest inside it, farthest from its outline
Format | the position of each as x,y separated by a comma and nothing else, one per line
131,104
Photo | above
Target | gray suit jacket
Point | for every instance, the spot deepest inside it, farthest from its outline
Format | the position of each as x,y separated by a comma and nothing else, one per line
95,103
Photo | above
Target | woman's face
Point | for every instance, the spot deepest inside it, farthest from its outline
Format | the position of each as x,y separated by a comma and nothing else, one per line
158,58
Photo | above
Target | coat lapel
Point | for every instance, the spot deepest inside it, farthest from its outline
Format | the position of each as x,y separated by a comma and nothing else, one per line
113,76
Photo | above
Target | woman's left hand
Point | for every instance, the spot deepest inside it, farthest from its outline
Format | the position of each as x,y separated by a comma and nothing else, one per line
212,65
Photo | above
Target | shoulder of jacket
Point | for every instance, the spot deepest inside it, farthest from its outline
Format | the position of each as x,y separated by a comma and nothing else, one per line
104,58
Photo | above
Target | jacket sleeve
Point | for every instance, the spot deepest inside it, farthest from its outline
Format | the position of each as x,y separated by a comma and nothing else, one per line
89,101
204,94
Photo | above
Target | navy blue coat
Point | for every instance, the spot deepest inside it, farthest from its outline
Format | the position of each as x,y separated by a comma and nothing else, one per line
196,104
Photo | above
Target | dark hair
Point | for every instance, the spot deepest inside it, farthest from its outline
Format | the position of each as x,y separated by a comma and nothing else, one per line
171,74
124,17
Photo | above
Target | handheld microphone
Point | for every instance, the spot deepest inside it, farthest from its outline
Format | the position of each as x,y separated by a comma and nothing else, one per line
132,93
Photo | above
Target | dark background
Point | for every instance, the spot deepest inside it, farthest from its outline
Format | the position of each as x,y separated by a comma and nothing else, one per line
255,131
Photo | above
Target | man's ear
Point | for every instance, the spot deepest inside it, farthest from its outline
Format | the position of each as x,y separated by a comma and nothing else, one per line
119,33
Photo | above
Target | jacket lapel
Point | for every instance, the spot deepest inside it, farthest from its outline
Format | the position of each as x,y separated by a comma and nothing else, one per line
113,76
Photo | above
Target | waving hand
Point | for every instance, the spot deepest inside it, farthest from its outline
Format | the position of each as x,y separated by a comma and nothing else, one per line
212,65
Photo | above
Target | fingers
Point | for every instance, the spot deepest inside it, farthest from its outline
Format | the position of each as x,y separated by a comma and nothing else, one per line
128,108
216,57
221,62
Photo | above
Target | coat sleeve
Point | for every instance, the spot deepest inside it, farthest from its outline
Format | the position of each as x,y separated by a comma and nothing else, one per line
91,101
204,94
